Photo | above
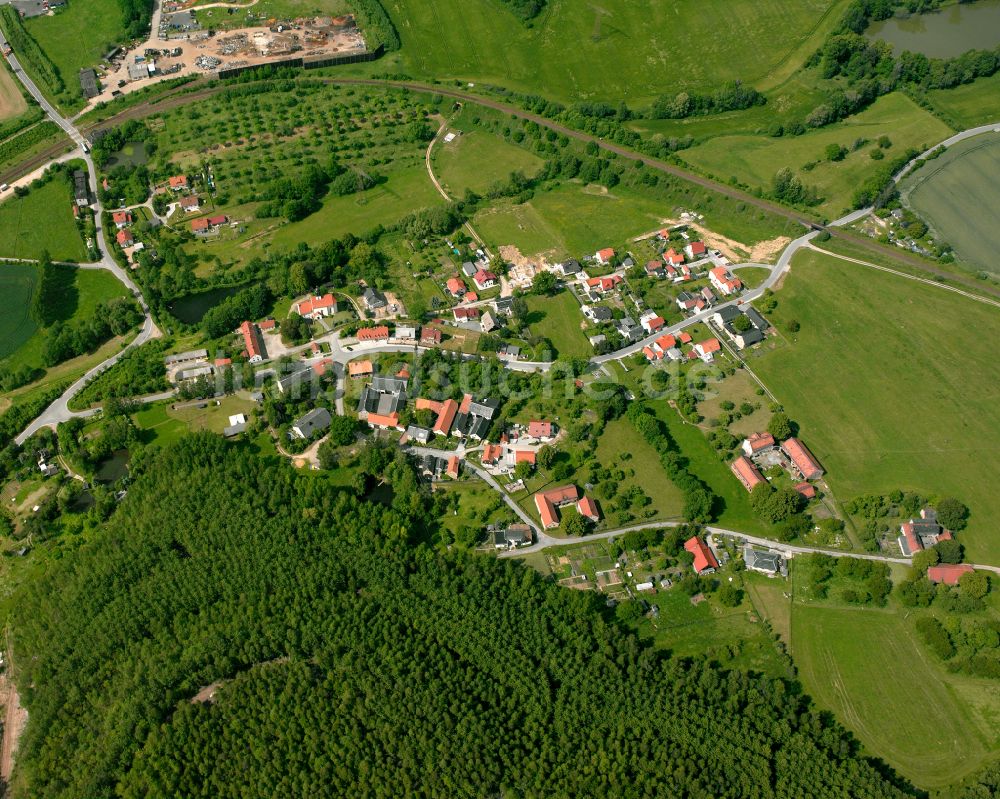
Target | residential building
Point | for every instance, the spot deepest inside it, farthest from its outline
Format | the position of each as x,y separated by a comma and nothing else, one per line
764,561
199,226
664,344
548,501
446,417
469,269
515,535
746,472
651,322
802,459
696,249
421,435
374,299
317,307
724,281
454,466
373,334
704,558
430,337
806,490
602,285
605,256
673,258
484,279
588,509
656,269
570,268
465,314
541,430
686,301
707,349
405,333
726,315
756,319
597,313
747,338
948,573
81,192
190,204
360,369
125,238
504,306
488,323
178,182
253,342
455,287
122,219
317,420
758,443
922,532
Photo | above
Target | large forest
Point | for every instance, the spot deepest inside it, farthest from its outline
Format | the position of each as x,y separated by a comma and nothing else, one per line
350,659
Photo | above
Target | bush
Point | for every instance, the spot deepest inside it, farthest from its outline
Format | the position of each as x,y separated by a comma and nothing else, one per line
936,637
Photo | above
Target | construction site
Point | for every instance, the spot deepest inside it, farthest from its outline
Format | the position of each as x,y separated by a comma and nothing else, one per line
182,47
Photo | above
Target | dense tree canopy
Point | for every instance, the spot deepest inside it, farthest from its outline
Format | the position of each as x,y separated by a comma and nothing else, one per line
352,660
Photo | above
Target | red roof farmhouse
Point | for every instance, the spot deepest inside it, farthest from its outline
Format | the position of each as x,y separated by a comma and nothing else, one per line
704,560
315,307
746,472
802,459
948,573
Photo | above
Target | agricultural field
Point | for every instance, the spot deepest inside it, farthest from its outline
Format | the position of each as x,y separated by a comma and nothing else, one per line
41,221
620,50
12,102
754,160
572,220
969,105
894,385
477,159
871,670
85,289
17,282
955,194
77,36
558,319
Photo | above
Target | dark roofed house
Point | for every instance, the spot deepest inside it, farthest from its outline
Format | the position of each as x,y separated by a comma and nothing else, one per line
80,190
756,319
88,83
374,299
763,561
316,420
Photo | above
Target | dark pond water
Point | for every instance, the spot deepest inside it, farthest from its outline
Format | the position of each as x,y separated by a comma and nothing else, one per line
943,34
192,308
114,468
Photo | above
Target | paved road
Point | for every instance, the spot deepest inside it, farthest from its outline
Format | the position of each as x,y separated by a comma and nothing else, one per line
59,410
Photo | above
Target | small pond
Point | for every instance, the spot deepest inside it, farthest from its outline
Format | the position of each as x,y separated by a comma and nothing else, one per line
191,308
945,33
114,468
132,154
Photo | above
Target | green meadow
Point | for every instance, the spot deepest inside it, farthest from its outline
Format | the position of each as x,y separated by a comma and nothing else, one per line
754,160
41,221
894,384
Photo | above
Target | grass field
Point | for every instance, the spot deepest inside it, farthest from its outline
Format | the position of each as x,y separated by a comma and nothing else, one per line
17,282
558,319
77,37
971,104
406,190
42,220
12,101
85,289
956,194
755,159
895,386
868,667
618,50
477,159
572,220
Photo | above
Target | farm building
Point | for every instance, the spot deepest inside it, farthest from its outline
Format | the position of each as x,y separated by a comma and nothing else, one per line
704,559
802,459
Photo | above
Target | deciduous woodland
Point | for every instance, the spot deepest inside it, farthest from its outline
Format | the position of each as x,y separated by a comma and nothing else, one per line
348,658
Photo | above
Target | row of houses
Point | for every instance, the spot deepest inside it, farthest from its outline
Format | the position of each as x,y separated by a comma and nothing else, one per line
744,335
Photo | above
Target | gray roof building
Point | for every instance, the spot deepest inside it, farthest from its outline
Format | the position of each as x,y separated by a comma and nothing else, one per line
421,434
756,319
763,560
88,83
316,420
374,298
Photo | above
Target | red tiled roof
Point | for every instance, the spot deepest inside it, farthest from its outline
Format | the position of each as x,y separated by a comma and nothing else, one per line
913,542
178,181
685,338
122,217
562,495
492,453
948,573
703,557
466,313
697,248
547,511
383,420
320,367
483,276
802,458
651,354
654,324
709,346
759,441
806,490
124,237
251,340
446,417
671,256
424,404
215,221
455,286
222,362
359,368
470,296
430,335
311,304
539,429
466,403
452,470
267,324
606,254
190,202
524,456
373,333
198,225
666,342
746,472
587,507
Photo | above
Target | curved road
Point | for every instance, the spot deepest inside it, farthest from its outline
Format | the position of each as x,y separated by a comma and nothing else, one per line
59,410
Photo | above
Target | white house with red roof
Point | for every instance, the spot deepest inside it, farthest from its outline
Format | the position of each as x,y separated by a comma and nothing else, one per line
758,443
673,258
317,307
651,322
696,249
602,285
704,559
724,281
178,182
125,238
190,204
707,349
484,279
605,256
541,430
455,287
122,219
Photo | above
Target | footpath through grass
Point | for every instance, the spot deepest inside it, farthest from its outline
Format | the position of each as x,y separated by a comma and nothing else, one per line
41,220
895,386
